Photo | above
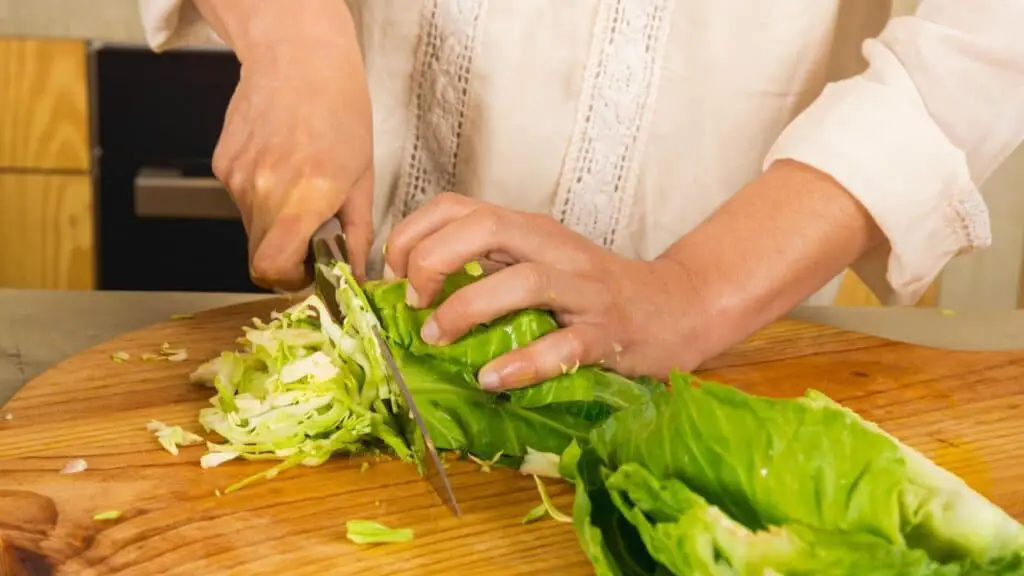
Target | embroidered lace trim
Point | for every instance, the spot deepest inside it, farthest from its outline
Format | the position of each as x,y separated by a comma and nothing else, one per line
441,77
598,180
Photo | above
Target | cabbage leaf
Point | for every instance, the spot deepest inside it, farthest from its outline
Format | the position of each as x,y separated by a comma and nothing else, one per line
705,479
304,386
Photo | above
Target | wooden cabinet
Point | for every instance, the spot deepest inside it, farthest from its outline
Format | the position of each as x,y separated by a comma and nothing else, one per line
46,239
44,105
46,197
853,292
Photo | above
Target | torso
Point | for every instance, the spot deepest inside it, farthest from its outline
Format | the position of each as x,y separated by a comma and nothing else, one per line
628,120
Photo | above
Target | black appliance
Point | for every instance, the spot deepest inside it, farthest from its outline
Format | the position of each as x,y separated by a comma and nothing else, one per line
163,221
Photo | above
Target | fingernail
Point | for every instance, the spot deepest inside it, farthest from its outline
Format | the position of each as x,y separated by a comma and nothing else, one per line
389,274
489,379
411,297
430,332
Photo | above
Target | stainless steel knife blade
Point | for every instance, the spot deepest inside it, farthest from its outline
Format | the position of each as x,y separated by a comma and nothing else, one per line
327,245
433,467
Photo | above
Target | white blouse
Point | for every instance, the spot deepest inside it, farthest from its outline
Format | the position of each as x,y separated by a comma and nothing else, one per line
632,120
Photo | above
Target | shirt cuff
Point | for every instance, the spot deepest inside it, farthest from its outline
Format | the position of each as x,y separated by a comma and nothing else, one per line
169,24
879,142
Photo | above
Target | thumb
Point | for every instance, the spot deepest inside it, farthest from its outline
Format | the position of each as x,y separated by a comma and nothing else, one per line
357,222
280,256
279,261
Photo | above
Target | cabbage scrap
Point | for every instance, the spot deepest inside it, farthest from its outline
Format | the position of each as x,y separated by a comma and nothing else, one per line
170,437
368,532
485,465
75,466
537,463
108,515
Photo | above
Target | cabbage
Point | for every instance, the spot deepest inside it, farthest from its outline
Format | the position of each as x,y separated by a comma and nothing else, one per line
304,387
705,479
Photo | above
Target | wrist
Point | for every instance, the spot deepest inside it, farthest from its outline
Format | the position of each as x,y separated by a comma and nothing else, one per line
773,244
690,312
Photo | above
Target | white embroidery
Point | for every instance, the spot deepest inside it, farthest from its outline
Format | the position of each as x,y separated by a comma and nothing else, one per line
596,187
440,90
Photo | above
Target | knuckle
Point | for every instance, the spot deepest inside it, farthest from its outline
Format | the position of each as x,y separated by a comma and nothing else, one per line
603,298
540,219
422,269
575,346
489,220
534,278
263,180
452,314
273,272
419,262
237,184
221,165
448,199
536,221
263,270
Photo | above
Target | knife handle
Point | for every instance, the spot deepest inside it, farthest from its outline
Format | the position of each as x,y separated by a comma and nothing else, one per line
308,266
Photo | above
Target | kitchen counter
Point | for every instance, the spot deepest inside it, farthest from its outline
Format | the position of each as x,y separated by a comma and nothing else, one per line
39,328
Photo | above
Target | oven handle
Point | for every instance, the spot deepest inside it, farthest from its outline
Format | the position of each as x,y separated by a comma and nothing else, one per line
166,193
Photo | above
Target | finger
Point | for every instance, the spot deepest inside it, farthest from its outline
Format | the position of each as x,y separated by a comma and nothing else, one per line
279,261
357,221
441,210
233,164
240,183
232,167
518,287
234,132
551,355
477,235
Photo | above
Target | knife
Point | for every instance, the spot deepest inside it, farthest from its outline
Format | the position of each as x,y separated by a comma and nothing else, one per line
327,246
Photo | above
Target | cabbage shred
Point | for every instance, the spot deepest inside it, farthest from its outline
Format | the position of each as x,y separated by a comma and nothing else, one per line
302,388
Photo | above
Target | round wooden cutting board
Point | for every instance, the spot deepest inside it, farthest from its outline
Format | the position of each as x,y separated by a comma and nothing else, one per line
964,410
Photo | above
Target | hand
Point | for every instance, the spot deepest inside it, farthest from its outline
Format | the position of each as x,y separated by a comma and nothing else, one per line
634,317
297,144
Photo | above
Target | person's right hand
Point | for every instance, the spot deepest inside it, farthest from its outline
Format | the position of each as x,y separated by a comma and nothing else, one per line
297,142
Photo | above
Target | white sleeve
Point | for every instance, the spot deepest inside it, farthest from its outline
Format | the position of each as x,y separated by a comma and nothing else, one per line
174,24
940,106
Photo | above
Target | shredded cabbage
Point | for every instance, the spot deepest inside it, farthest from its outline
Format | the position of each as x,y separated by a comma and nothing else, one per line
303,387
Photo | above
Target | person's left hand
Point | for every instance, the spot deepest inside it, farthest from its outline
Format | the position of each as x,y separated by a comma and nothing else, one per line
631,316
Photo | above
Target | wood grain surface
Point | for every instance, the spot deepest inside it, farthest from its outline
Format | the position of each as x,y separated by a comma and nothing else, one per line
964,410
44,105
47,238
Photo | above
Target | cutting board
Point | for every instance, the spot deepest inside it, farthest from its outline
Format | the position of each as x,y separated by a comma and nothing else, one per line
965,410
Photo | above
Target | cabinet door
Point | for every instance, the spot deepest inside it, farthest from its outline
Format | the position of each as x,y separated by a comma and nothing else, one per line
44,105
46,236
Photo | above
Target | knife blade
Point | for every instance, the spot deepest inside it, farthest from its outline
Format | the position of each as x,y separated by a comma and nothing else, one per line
327,245
433,468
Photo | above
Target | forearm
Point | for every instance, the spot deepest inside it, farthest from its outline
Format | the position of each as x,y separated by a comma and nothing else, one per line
774,243
255,29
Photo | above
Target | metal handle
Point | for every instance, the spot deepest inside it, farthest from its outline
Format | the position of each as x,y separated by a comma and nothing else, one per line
164,193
